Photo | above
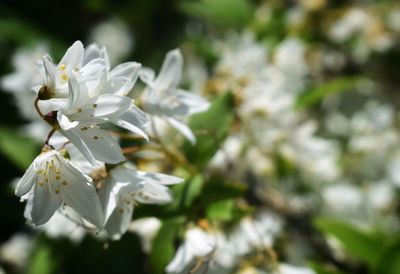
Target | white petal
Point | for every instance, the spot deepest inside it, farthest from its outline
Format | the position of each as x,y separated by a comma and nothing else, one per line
74,56
80,194
160,178
153,193
134,120
123,174
26,182
183,257
182,128
119,86
108,198
118,222
192,102
91,52
78,93
107,105
50,71
98,143
44,204
147,75
129,70
74,137
94,69
171,71
64,122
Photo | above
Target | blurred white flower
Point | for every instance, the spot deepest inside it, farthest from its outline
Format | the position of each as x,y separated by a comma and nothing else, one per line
115,35
258,232
65,223
25,75
353,21
304,148
196,244
164,99
16,250
147,229
290,269
343,199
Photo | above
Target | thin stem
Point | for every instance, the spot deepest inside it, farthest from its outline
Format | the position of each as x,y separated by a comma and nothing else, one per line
36,104
49,136
129,150
64,145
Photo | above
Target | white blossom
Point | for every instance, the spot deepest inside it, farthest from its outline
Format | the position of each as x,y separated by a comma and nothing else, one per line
147,229
196,244
124,187
52,180
164,99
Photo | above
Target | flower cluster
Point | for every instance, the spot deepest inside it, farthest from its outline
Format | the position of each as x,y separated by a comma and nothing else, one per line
84,169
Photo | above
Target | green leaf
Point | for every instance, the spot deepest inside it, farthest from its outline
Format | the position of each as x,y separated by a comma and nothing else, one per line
163,245
216,190
322,269
388,261
211,128
41,261
220,12
362,245
19,149
315,95
221,210
192,189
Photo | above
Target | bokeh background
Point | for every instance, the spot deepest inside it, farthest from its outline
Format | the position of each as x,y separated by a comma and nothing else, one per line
350,90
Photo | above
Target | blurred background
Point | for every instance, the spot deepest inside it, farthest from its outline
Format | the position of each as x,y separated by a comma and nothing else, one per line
334,182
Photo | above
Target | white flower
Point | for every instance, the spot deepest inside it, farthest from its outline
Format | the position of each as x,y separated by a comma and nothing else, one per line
147,229
352,22
255,233
290,269
197,244
95,96
115,35
343,199
25,76
125,186
66,223
52,180
16,250
79,119
55,77
164,99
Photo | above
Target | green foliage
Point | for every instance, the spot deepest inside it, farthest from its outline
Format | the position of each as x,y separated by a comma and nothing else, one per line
191,189
221,210
216,190
18,148
362,245
41,261
220,12
18,31
322,269
164,244
388,261
316,94
211,128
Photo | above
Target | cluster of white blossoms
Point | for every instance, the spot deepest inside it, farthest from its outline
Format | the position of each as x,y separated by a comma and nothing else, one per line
367,29
221,252
266,90
82,169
